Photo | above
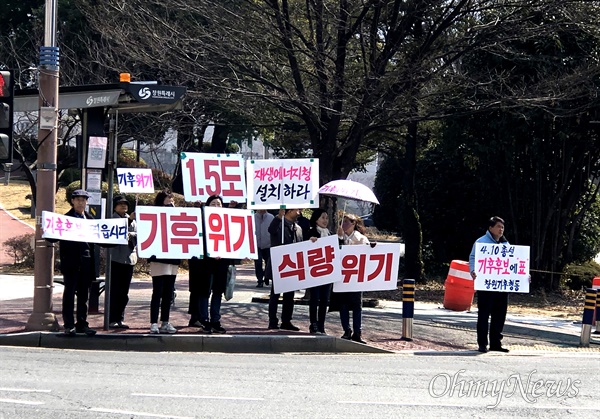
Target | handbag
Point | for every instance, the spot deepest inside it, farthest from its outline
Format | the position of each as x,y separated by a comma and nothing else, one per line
231,271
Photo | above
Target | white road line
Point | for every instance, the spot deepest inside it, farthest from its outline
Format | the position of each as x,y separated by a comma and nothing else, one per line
184,396
20,402
132,413
25,390
529,406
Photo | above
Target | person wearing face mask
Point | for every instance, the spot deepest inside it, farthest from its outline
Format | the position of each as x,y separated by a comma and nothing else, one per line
319,296
164,273
351,232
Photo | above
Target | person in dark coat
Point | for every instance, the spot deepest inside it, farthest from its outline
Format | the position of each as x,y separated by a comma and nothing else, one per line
77,264
123,260
292,233
164,273
319,296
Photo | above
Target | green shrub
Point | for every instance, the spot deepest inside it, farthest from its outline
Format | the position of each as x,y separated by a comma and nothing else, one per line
579,276
20,248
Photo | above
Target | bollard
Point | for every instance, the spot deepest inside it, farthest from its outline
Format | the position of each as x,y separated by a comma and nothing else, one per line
588,315
597,332
408,308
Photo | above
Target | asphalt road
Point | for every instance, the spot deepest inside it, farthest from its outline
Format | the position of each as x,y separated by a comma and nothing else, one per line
46,383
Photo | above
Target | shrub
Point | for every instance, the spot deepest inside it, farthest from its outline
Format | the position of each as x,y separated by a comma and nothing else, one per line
579,276
20,248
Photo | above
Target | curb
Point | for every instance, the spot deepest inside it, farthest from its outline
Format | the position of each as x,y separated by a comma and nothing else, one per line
190,343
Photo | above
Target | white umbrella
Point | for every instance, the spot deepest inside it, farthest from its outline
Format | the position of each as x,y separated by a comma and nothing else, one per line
345,188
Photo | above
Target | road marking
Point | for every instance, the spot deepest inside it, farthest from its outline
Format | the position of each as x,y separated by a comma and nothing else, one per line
19,402
185,396
132,413
530,406
25,390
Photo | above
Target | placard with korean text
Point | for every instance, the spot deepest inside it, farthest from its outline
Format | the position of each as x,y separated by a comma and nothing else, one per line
230,233
501,267
103,231
206,174
305,264
135,180
169,233
289,183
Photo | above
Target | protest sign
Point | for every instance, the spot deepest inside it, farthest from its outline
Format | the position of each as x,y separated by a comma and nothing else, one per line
206,174
501,267
305,264
366,268
135,180
230,233
104,231
288,183
169,233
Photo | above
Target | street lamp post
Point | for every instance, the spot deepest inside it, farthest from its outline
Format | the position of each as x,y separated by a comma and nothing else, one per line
42,317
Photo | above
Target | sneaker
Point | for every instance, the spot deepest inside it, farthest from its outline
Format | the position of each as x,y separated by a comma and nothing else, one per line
168,328
289,326
347,334
195,323
217,328
113,325
70,331
313,329
86,330
154,328
123,325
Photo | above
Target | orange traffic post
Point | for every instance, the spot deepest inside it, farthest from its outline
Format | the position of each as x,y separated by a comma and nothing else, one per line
459,287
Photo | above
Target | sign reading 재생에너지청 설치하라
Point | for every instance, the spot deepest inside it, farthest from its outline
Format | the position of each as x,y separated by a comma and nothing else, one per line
135,180
501,267
207,174
103,231
287,183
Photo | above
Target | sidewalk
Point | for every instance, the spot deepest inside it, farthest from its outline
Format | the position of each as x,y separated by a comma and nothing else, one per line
434,328
246,317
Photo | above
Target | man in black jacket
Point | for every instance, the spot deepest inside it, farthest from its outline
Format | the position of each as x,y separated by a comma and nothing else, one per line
292,233
78,268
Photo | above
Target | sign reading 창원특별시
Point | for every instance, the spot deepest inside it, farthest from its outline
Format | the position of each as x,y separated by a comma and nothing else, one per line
501,267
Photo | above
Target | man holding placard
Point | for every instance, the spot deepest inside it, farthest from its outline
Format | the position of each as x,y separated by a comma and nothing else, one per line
292,233
490,303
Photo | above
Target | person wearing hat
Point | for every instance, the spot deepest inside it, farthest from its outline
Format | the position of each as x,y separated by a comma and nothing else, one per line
77,265
123,259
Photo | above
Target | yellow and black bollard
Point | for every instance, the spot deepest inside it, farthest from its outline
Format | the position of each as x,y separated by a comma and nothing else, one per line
588,316
408,308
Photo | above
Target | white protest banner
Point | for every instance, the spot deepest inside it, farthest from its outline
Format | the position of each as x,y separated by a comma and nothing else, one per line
230,233
366,268
169,233
206,174
135,180
501,267
293,183
305,264
63,227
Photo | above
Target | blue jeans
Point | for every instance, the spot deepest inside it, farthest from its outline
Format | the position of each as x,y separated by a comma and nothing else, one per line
351,301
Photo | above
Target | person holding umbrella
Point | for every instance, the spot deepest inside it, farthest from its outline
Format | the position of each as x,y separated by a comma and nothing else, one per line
352,232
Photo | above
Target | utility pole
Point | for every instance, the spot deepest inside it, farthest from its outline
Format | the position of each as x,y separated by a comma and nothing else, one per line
42,317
